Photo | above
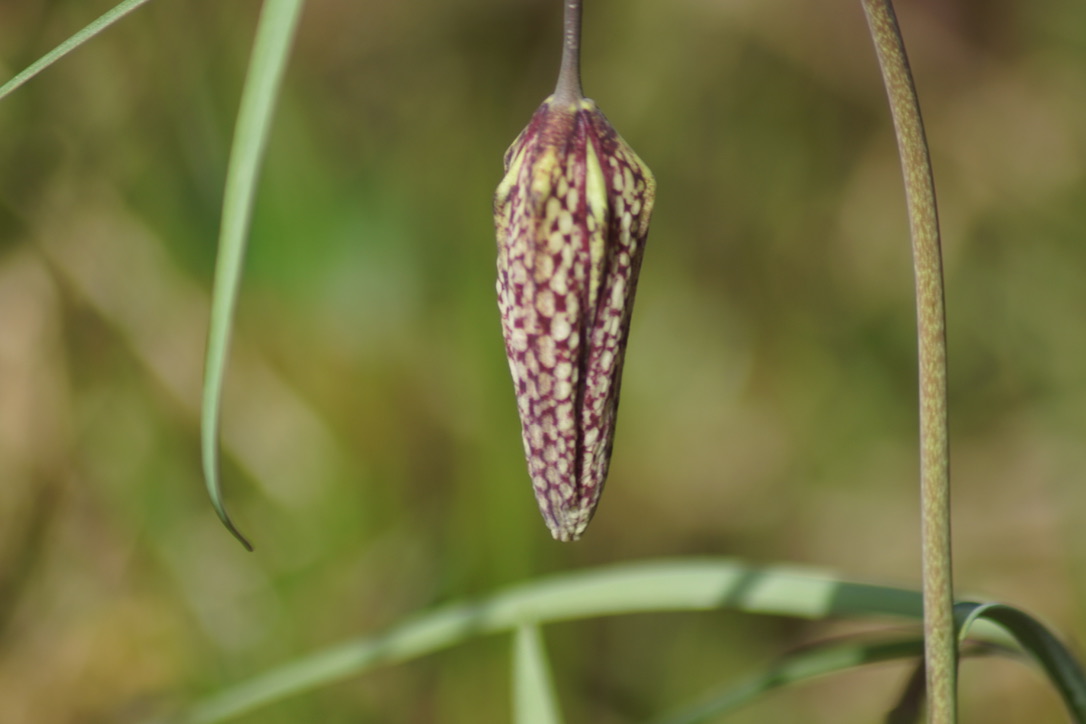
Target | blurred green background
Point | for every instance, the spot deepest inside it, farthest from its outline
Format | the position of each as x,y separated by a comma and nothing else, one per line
371,443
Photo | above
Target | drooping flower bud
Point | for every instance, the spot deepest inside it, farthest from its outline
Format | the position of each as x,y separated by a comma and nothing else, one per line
572,215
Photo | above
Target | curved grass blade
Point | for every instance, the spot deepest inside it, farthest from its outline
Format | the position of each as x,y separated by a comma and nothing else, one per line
677,585
275,31
809,663
1059,664
534,700
88,32
910,705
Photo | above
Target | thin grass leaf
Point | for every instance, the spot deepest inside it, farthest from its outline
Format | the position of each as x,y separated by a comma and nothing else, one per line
1059,664
809,663
534,700
676,585
910,704
828,658
88,32
275,31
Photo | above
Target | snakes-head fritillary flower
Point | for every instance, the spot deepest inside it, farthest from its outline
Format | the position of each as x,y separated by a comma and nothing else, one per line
572,215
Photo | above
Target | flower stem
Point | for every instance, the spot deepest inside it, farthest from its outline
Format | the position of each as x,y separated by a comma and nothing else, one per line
940,650
569,75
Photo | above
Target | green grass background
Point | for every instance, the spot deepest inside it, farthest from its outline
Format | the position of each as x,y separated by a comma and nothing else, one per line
371,447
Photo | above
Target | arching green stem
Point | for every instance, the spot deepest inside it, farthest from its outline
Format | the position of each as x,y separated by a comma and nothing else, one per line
940,651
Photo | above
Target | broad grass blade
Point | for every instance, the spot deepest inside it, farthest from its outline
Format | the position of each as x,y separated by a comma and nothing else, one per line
700,584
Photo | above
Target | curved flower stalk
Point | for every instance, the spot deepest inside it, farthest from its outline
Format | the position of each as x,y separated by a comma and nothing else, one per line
572,216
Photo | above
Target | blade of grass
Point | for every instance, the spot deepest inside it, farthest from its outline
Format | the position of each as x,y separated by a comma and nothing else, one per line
88,32
910,704
1061,667
1032,638
275,31
534,700
940,656
678,585
806,664
828,658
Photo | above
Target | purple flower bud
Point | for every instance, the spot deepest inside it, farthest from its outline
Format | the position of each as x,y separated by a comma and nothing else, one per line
572,215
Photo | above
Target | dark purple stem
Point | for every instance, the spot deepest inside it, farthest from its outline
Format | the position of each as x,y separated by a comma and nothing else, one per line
569,75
